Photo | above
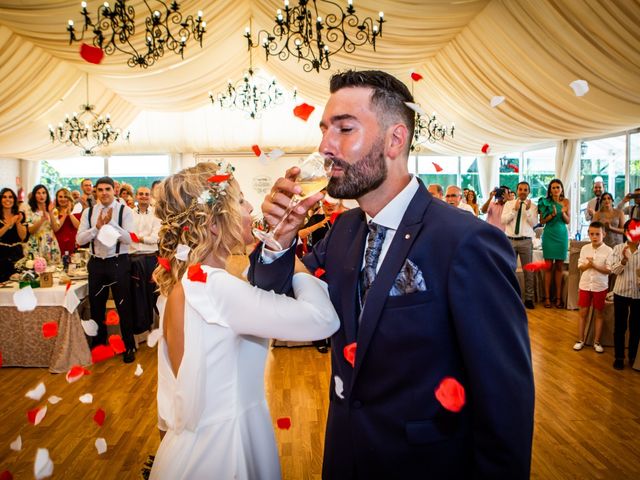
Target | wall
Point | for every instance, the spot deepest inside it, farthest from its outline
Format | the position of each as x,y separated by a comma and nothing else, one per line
9,170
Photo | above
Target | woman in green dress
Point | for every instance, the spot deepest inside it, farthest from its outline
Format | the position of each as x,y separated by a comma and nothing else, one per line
554,215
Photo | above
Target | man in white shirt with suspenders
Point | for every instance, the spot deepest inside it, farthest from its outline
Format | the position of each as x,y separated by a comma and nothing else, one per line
109,266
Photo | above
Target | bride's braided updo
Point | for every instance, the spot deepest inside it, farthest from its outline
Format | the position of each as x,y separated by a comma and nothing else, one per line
188,203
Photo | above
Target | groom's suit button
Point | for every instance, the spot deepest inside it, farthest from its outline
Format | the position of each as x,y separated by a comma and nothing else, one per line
356,404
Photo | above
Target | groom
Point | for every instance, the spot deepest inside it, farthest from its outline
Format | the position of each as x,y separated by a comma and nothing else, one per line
424,292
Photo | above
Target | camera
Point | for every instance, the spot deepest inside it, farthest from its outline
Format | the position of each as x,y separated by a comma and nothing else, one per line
499,192
634,196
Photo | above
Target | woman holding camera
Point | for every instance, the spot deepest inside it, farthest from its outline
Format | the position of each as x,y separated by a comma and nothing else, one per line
554,215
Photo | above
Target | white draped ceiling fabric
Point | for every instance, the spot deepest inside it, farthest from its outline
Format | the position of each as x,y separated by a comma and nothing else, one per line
528,51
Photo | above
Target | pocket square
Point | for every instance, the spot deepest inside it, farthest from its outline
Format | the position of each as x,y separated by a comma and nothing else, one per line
409,280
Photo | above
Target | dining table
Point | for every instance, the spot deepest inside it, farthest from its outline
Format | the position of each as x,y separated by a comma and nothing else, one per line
23,342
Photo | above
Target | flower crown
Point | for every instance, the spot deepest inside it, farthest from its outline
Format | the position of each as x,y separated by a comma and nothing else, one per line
216,187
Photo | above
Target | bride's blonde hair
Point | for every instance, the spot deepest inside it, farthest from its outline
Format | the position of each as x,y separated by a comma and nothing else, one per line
187,218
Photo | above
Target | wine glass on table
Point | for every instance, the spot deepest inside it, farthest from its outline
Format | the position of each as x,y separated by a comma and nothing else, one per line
315,172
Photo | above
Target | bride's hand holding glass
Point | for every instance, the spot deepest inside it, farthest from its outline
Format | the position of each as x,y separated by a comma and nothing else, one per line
285,207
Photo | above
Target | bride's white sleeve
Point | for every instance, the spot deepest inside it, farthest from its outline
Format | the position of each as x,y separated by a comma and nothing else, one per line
248,310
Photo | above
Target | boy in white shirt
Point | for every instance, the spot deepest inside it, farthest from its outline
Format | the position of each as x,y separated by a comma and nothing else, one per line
594,263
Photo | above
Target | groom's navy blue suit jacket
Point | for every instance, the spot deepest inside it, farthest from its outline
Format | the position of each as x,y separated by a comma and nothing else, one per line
469,323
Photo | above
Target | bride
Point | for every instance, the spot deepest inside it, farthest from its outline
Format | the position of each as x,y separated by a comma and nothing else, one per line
215,327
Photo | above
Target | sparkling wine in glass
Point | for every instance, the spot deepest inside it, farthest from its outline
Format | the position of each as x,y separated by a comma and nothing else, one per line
315,172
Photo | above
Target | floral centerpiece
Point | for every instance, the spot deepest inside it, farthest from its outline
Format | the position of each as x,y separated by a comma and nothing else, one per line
29,269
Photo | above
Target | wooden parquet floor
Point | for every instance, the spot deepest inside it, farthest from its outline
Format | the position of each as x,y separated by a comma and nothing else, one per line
587,423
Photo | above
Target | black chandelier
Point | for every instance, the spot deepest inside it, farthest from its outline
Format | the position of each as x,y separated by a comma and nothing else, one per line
115,27
253,94
86,129
428,129
300,32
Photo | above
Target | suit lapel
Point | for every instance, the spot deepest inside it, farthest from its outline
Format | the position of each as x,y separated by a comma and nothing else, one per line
403,240
350,274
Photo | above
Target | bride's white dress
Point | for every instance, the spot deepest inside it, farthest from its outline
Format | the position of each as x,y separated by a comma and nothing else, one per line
215,412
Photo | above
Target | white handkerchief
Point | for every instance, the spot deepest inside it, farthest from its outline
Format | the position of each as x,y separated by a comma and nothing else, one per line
153,337
86,398
580,87
138,371
339,386
25,300
497,100
101,445
90,327
16,445
182,252
37,393
43,466
108,236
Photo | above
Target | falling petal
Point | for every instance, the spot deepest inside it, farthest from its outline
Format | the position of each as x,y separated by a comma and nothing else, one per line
37,393
339,386
16,445
86,398
25,300
580,87
497,100
101,445
138,371
43,466
90,327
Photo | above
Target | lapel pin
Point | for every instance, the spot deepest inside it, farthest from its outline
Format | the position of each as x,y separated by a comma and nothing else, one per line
407,236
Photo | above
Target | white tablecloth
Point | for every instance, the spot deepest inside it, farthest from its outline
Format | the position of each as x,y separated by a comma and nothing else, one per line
56,296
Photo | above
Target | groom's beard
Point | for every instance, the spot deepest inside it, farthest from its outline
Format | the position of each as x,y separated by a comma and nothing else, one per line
359,178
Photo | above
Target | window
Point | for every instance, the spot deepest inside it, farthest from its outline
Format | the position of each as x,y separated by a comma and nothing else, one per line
510,171
139,170
136,170
69,172
634,161
469,177
435,169
539,170
602,158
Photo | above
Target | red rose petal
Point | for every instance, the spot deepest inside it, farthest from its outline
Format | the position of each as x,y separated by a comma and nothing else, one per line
196,274
537,266
437,167
99,417
76,372
349,353
319,273
67,287
0,359
218,178
36,415
416,77
450,394
303,111
256,150
101,353
6,475
485,148
164,263
91,54
284,423
185,228
50,329
117,344
112,318
134,237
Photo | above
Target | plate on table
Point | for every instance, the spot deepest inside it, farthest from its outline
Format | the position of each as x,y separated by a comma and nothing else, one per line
79,275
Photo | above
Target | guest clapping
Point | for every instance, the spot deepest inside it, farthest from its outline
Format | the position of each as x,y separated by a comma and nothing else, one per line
42,240
67,225
611,219
12,233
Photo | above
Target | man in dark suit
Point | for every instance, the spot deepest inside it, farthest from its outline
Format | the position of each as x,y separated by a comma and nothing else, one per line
425,292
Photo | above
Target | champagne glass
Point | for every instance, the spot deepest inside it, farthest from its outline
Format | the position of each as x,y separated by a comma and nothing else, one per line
315,172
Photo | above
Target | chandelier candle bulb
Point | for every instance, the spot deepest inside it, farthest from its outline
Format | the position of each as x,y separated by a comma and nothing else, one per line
199,13
83,4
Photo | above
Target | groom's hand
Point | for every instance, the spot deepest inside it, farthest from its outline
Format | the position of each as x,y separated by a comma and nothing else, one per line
276,202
